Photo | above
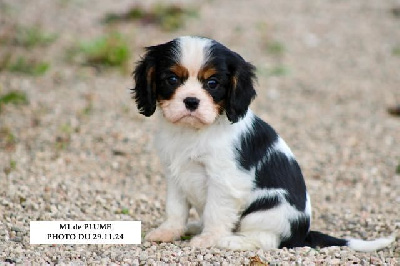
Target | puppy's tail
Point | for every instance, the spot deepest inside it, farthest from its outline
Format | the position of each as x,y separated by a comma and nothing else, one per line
317,239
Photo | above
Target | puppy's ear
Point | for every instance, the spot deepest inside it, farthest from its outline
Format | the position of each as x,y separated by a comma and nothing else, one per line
241,90
144,91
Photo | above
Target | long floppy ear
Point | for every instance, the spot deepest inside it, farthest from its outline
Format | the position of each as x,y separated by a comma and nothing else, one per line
241,91
144,91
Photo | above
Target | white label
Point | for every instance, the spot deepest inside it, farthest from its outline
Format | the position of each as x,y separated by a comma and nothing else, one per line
85,232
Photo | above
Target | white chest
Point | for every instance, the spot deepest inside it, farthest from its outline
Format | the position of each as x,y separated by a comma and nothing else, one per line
199,160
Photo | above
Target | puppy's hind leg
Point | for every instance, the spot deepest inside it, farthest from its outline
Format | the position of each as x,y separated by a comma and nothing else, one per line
261,229
250,241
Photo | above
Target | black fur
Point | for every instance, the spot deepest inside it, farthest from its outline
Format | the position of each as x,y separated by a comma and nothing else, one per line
299,230
241,92
147,75
261,204
281,172
255,143
317,239
241,75
144,93
277,170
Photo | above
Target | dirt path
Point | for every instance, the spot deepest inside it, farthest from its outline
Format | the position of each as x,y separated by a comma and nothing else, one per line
72,146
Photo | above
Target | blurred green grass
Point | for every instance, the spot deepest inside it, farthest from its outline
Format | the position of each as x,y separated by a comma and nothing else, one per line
167,17
109,50
274,71
25,65
26,36
8,139
18,53
396,50
33,36
13,97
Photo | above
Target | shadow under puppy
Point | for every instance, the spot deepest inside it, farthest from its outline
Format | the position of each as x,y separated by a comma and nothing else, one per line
221,159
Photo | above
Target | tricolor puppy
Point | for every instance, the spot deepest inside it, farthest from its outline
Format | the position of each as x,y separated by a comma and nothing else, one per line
221,159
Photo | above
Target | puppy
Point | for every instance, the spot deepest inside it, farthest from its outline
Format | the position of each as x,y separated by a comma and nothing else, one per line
221,159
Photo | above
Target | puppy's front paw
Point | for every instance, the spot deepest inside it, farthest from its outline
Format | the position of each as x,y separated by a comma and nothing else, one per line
204,241
164,234
194,228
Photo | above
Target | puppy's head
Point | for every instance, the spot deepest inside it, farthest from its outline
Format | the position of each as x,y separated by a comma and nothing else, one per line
193,80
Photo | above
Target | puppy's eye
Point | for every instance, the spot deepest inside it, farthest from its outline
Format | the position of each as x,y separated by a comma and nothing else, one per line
212,83
172,80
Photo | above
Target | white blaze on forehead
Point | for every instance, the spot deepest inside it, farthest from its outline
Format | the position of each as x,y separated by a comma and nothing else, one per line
194,53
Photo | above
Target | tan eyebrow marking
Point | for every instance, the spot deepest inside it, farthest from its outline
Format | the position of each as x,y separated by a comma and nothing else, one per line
180,71
206,72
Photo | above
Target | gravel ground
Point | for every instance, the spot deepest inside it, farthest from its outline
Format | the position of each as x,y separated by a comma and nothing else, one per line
78,150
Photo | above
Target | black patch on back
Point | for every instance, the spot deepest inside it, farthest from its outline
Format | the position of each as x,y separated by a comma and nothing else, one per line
298,229
255,143
261,204
276,171
280,172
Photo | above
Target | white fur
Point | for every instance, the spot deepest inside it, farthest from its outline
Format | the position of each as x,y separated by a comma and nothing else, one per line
250,240
280,145
308,209
202,167
275,220
371,245
194,52
266,193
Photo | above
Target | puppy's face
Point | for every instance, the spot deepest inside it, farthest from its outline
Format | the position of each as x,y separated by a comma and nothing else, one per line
193,80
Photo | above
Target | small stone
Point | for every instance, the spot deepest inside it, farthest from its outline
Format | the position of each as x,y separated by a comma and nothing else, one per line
143,256
208,256
16,229
335,262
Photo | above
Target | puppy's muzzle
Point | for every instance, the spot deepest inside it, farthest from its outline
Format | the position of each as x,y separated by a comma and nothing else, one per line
191,103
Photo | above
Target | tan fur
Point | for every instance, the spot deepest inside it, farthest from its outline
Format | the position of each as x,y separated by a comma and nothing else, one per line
234,82
180,71
206,72
150,79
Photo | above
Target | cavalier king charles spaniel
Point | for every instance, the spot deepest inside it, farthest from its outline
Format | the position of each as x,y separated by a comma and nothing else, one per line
220,158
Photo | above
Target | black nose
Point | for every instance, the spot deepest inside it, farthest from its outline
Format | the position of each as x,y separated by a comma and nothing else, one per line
191,103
